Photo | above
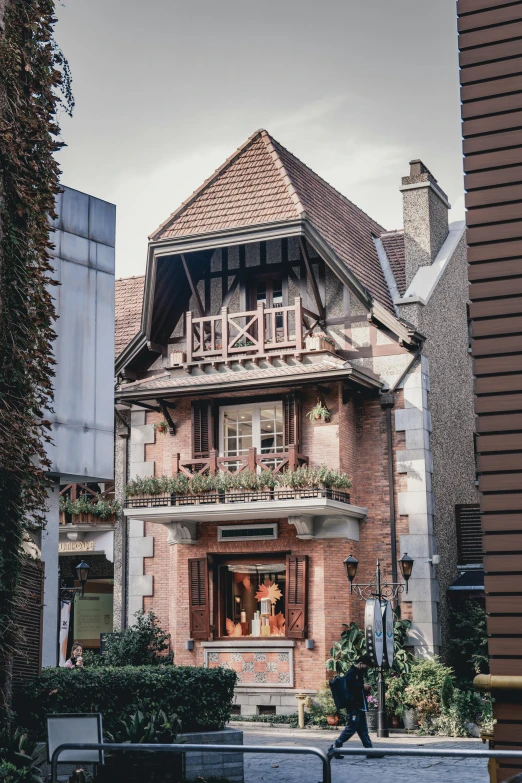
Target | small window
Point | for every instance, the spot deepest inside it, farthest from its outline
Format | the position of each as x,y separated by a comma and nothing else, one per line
469,535
262,532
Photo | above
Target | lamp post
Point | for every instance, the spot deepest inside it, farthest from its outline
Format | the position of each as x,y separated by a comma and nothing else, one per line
70,593
381,591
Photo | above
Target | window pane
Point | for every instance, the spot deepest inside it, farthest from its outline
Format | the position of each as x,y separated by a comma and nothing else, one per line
279,441
244,444
245,429
267,413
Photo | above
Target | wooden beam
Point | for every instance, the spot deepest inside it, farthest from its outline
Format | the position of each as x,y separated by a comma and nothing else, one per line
230,292
195,292
165,410
313,281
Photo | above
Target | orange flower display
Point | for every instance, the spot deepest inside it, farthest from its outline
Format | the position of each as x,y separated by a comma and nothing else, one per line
271,591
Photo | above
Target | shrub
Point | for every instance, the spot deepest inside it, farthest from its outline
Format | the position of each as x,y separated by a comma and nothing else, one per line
18,757
201,698
468,640
248,480
325,702
143,644
424,691
98,507
11,774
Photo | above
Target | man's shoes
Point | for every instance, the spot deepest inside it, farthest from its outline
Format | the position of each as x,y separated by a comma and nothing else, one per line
334,752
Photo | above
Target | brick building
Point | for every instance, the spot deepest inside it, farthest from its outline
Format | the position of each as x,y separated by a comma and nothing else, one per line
268,293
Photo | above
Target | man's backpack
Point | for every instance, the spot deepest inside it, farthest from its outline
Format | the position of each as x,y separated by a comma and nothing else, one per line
340,692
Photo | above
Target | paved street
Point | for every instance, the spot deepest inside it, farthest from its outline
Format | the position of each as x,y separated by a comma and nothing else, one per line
303,769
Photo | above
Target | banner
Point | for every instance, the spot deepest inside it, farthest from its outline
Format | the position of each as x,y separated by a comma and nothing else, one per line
65,616
374,631
388,620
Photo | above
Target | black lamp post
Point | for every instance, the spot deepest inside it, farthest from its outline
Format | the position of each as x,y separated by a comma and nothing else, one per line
382,591
70,593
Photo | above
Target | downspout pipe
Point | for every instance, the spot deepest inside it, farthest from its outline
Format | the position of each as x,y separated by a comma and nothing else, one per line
387,403
123,432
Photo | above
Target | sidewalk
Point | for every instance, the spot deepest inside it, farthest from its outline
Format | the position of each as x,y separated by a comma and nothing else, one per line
303,769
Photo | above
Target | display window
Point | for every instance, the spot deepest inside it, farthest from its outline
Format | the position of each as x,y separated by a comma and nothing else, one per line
252,599
260,425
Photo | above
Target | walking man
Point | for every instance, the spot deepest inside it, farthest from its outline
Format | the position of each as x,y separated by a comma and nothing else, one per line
351,690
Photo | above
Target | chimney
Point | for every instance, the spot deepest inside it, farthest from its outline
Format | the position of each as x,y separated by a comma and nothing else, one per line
425,211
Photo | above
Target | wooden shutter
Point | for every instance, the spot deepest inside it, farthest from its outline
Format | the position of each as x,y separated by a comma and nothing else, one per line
202,429
198,598
291,419
296,596
28,615
469,534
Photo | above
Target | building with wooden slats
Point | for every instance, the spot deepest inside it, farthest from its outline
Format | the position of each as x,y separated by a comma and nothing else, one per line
490,44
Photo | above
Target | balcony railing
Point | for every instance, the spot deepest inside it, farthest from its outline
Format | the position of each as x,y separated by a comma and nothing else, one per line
275,462
236,496
252,333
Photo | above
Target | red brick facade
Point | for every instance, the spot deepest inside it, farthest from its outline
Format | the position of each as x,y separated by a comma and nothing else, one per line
355,442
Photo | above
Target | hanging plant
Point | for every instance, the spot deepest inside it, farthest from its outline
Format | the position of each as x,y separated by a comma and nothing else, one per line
162,426
319,412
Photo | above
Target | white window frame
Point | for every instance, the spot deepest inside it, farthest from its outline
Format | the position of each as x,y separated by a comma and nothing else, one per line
256,423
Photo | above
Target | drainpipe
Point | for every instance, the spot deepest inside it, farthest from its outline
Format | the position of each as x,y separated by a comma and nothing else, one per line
387,403
124,433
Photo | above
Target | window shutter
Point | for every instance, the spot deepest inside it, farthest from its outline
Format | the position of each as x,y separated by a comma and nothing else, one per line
469,534
202,429
291,420
296,596
28,609
198,598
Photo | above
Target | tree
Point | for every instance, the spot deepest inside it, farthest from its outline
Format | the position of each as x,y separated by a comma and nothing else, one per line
35,82
143,644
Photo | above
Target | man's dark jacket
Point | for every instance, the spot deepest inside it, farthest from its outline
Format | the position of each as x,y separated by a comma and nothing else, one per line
348,691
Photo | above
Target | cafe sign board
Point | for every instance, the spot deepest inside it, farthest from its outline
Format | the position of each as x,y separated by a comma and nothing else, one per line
76,546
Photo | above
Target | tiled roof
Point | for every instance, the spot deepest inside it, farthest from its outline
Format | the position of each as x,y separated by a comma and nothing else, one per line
263,182
168,381
129,298
393,243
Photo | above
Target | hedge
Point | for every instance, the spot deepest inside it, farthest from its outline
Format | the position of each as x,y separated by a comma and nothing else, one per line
202,698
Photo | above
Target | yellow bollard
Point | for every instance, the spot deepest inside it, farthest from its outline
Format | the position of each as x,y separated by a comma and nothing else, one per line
301,701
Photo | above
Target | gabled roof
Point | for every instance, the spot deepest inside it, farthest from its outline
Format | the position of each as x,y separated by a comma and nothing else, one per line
129,300
262,182
393,243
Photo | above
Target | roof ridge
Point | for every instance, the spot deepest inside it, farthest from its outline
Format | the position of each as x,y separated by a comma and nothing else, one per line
392,232
130,277
331,187
188,201
292,191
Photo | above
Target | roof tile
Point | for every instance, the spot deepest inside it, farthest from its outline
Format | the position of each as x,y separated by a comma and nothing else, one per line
393,243
129,298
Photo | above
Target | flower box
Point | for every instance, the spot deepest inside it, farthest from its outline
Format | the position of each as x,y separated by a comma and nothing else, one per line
177,358
316,342
92,519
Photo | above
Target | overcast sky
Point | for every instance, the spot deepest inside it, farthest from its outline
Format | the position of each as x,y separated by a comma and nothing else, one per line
166,89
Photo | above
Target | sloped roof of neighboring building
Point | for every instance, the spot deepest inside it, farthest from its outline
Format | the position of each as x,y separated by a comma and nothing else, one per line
393,243
262,182
129,299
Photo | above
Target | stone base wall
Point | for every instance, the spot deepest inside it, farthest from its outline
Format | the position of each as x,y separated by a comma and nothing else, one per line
201,764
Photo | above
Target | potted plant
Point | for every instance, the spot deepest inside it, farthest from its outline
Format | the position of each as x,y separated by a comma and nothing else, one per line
319,412
162,427
326,703
371,715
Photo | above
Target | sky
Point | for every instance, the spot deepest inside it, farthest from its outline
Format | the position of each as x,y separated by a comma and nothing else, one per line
166,90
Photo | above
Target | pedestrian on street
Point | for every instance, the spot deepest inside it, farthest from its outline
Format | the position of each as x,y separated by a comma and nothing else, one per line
76,659
349,692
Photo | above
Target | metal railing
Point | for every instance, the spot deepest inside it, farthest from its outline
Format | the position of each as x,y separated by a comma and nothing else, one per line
158,501
188,748
375,752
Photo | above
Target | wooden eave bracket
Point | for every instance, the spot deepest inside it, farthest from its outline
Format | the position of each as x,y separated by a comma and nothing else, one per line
168,418
406,333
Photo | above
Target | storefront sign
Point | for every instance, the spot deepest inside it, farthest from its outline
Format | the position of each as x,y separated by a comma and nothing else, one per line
374,631
387,619
76,546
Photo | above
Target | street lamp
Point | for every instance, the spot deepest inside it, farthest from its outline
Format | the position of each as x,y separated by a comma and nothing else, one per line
350,565
70,593
381,591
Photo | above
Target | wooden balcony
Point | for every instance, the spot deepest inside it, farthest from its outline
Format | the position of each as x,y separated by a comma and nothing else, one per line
254,334
275,462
